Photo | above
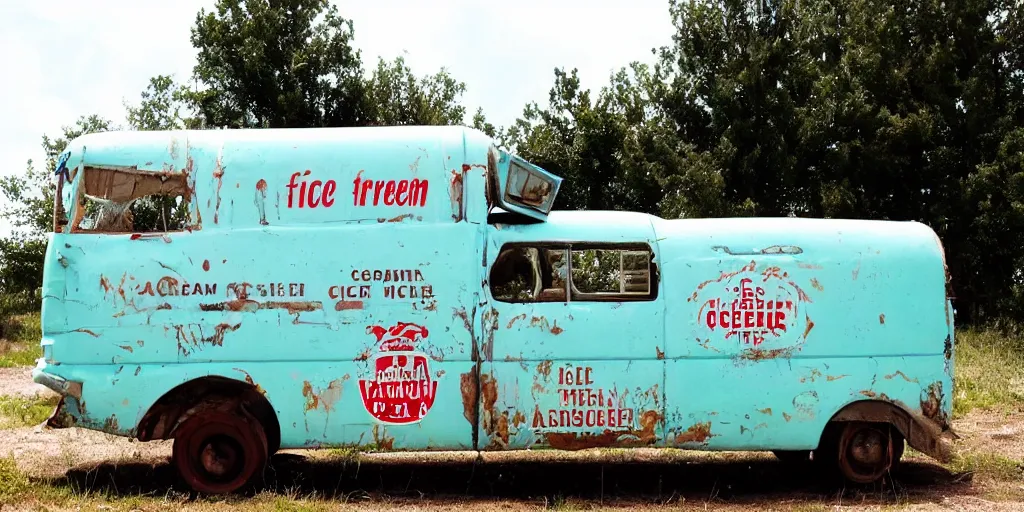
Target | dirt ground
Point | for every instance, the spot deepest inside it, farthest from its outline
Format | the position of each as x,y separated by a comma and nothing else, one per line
625,480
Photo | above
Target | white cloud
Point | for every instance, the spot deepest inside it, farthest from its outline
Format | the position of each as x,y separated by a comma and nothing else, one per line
63,59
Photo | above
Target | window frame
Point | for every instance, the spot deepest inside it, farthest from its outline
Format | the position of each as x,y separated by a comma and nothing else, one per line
80,200
572,294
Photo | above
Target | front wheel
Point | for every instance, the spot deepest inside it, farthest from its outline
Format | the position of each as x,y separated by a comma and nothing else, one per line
866,452
218,452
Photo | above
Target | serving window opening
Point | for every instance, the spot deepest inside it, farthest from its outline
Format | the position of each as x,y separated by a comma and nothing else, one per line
131,201
550,273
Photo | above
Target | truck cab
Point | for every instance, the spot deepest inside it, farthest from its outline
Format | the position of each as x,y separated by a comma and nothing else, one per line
411,288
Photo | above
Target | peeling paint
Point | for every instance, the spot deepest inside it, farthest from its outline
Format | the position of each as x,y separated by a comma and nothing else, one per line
323,398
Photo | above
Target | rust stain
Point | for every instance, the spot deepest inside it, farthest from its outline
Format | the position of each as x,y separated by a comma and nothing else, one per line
364,355
455,191
750,267
399,218
467,386
868,393
87,331
831,378
490,321
206,265
127,348
466,321
325,398
187,338
544,368
931,404
881,318
901,374
246,305
809,266
661,353
521,316
645,435
786,417
261,200
218,174
432,306
810,325
817,285
761,354
495,425
251,382
767,411
698,433
815,374
541,322
343,305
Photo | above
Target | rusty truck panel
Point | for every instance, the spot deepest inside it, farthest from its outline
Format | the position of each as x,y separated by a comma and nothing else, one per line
411,289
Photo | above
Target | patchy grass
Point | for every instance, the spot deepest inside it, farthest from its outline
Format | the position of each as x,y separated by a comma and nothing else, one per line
25,412
20,345
989,372
989,465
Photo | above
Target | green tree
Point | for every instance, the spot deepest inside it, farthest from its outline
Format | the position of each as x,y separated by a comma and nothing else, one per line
393,95
291,63
28,197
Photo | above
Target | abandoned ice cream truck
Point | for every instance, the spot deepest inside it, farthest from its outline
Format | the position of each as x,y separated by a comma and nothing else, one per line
410,288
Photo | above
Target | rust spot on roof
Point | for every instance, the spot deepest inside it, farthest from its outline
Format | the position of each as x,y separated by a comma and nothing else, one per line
767,411
206,265
881,318
87,331
660,353
786,417
817,285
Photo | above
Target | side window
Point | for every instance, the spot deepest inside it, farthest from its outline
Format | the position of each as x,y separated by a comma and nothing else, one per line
611,274
129,201
552,273
530,274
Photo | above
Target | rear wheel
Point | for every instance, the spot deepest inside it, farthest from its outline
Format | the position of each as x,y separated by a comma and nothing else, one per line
867,452
217,452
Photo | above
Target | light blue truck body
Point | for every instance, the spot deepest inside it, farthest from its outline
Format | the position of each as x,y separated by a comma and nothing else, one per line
363,281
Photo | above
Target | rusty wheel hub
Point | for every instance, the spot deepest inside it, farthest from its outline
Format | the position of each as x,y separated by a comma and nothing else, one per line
217,452
221,457
866,452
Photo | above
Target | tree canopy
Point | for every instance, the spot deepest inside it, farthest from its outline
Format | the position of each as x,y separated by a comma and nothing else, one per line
906,110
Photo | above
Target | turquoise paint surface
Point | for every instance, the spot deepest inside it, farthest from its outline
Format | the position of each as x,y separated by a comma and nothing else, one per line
369,322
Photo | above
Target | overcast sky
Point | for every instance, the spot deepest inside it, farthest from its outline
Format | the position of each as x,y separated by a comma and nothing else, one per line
62,58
